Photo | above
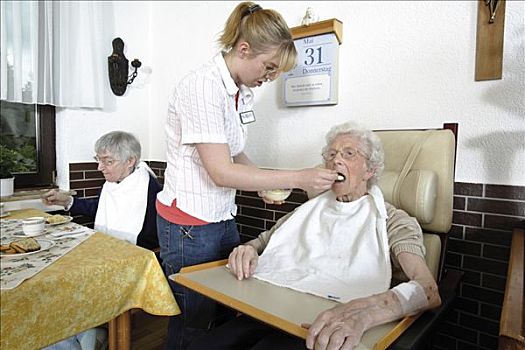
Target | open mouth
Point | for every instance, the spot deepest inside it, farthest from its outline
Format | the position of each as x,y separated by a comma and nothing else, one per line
340,177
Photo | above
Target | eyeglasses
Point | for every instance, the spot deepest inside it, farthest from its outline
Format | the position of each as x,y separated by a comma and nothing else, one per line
271,72
271,69
347,153
105,161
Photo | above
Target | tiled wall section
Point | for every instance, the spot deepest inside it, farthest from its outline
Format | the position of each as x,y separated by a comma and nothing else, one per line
479,245
158,168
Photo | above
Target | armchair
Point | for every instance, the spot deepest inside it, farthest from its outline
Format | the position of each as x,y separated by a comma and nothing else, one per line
419,178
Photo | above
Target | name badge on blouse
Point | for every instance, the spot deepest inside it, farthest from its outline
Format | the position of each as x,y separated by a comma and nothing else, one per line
247,117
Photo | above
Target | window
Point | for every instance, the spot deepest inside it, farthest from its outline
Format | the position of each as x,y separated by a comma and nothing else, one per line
29,131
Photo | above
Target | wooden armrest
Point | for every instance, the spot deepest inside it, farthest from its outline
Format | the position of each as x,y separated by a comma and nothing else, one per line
203,266
415,336
511,321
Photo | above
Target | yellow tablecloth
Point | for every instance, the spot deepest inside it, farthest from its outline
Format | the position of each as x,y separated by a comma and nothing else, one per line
95,282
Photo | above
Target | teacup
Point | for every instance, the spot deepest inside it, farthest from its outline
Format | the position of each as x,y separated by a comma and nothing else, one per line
33,226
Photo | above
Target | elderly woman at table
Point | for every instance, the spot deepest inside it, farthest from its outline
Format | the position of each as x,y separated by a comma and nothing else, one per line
125,209
347,245
126,206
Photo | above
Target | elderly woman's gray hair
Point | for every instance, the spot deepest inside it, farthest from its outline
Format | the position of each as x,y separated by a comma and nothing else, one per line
122,145
369,145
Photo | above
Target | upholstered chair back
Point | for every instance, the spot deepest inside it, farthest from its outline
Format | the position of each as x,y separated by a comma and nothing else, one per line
419,178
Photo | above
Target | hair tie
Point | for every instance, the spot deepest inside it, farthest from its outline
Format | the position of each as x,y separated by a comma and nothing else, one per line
250,10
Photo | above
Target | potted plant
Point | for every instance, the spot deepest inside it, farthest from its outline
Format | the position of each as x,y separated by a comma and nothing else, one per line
9,164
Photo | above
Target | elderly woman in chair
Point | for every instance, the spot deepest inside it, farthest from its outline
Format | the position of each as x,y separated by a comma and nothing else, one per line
347,245
126,206
124,210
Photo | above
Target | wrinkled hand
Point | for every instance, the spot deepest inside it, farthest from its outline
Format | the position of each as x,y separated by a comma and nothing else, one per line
340,327
268,200
55,197
316,180
243,261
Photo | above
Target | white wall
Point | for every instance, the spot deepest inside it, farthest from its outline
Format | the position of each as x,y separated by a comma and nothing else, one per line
403,65
77,130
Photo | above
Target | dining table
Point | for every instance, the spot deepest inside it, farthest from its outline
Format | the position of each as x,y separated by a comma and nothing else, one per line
99,281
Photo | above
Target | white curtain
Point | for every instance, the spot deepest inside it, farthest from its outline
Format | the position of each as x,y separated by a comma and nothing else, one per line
54,52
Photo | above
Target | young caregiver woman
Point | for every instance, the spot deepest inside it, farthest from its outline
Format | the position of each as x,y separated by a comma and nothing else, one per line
206,135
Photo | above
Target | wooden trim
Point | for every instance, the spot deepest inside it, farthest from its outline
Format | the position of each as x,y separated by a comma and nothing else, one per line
204,266
48,142
32,194
511,321
46,150
454,128
112,334
444,236
489,42
391,336
506,343
119,332
124,331
318,28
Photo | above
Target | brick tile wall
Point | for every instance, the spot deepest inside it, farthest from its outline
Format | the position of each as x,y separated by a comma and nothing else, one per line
87,181
254,216
479,245
158,168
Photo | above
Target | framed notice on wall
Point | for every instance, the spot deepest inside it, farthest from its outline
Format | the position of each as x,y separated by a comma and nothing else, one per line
314,80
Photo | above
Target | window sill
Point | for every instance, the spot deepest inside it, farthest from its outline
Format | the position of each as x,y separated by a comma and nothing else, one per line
30,204
25,194
24,199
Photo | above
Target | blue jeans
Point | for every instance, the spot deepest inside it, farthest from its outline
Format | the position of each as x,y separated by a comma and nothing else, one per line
86,340
181,246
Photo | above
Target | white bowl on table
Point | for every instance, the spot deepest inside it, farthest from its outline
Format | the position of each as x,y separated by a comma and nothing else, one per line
277,195
33,226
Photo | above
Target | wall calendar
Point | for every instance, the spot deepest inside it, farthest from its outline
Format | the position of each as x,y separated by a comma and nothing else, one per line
314,80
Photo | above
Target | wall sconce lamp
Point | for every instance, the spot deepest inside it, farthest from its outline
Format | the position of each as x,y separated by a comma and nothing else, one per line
118,68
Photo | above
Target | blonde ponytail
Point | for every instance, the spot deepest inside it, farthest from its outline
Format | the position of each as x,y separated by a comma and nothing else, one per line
263,29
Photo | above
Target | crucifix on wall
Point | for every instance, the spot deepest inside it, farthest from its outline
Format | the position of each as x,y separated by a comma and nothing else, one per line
489,39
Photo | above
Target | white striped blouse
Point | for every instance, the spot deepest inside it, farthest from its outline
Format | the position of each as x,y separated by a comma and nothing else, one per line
202,110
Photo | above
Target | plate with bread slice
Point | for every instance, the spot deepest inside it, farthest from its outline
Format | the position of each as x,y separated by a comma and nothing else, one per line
58,219
26,246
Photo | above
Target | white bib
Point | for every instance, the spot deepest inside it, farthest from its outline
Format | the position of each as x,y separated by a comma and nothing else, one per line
122,206
331,249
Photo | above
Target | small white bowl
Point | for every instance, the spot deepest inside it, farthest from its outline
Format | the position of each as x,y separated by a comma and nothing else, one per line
277,195
33,226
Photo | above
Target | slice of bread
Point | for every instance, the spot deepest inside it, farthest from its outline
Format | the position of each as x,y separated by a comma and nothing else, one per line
25,245
55,219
